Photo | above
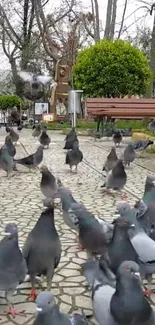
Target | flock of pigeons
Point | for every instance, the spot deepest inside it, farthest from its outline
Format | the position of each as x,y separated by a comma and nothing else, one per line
120,254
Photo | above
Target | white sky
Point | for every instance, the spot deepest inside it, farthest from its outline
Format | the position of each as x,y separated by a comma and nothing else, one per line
133,20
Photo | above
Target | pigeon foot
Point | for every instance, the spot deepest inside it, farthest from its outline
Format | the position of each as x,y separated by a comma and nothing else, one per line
32,295
148,292
124,196
15,313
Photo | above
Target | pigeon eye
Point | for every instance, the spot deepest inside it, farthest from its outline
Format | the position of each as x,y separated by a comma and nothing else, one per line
48,302
127,268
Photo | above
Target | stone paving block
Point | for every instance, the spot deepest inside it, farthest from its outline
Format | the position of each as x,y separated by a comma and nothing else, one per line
21,201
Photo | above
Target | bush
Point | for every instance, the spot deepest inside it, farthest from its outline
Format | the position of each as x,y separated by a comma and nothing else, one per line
9,101
111,69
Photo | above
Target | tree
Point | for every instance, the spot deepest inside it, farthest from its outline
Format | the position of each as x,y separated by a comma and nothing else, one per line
111,69
9,101
110,19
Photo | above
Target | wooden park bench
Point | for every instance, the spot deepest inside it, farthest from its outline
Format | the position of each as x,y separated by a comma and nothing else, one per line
121,108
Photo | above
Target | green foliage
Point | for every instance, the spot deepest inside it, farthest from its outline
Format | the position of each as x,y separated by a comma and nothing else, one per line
111,69
9,101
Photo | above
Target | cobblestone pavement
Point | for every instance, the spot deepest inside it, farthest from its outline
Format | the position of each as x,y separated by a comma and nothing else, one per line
21,201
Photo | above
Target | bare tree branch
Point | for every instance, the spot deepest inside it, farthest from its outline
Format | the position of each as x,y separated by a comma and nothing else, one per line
123,17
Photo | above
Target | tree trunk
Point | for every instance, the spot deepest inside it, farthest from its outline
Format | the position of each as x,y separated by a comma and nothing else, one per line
149,91
16,81
108,19
113,19
97,22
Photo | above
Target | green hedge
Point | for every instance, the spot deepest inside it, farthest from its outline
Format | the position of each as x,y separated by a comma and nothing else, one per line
9,101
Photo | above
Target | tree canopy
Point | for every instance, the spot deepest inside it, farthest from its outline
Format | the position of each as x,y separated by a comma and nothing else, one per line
111,69
9,101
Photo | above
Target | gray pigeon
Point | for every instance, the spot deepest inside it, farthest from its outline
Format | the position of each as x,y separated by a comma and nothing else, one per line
111,160
66,200
14,136
11,149
71,133
70,141
146,207
151,126
74,156
12,265
44,139
92,235
128,304
48,184
94,270
124,304
37,131
33,160
6,161
117,137
116,178
42,249
129,154
142,243
10,146
120,247
49,313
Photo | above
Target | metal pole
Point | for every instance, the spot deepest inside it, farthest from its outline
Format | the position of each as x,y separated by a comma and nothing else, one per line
74,114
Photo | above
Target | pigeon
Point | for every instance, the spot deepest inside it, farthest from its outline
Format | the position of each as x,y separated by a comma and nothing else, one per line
70,141
37,131
146,207
20,127
7,128
12,265
142,145
142,243
11,149
48,184
151,126
26,77
10,146
14,136
74,156
71,133
112,297
44,139
48,312
120,248
94,270
92,234
128,304
117,138
32,160
42,249
66,200
116,178
6,161
129,154
110,161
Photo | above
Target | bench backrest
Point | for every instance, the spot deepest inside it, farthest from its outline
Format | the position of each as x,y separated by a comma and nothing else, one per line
123,107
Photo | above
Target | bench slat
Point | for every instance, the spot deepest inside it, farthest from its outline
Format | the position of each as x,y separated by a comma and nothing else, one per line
119,106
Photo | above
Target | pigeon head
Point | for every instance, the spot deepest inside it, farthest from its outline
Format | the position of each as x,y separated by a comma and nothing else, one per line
8,140
11,229
131,267
122,208
141,208
44,169
44,302
123,224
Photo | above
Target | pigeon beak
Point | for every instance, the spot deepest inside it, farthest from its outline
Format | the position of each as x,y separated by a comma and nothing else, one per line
132,226
137,274
38,309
